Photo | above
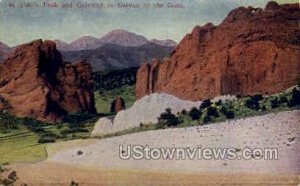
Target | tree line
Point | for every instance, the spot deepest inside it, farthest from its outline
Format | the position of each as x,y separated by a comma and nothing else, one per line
115,79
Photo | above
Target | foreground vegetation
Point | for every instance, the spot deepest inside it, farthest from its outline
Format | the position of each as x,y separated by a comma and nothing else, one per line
217,111
241,107
24,139
115,79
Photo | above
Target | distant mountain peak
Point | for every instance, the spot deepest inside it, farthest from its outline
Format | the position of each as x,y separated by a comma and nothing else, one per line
86,38
116,37
85,43
124,38
120,31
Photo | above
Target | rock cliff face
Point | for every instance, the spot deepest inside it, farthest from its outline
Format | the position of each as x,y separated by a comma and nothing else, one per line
252,51
117,105
34,82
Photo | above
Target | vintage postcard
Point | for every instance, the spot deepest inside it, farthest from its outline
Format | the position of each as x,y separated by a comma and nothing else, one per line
149,92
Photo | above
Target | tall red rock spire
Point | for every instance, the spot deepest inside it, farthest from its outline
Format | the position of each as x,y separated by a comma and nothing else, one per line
36,83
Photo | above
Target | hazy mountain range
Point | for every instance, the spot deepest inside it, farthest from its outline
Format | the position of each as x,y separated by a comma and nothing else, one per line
112,56
117,49
116,37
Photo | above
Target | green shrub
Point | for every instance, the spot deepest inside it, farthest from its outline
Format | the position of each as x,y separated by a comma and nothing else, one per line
230,114
224,110
219,103
8,122
160,125
257,97
274,103
238,96
295,100
168,119
59,126
38,130
66,131
195,114
206,119
205,103
114,79
77,119
212,112
283,99
75,130
49,134
47,139
253,102
264,108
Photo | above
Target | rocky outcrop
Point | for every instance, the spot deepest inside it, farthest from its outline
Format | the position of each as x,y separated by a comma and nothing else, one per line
117,105
36,83
144,111
252,51
103,126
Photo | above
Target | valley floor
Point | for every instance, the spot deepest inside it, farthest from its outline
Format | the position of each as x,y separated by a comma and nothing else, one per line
98,162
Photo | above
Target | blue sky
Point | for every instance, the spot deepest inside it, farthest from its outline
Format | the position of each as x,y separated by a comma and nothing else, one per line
19,25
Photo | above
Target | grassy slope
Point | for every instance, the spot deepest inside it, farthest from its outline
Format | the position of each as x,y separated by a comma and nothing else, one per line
22,145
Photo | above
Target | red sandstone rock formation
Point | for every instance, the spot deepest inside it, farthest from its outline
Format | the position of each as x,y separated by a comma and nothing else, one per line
252,50
118,104
34,82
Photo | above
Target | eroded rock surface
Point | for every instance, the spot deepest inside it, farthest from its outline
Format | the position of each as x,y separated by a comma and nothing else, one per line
117,105
252,51
34,82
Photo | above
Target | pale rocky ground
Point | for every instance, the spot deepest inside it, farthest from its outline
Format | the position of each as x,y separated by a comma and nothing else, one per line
279,130
100,163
